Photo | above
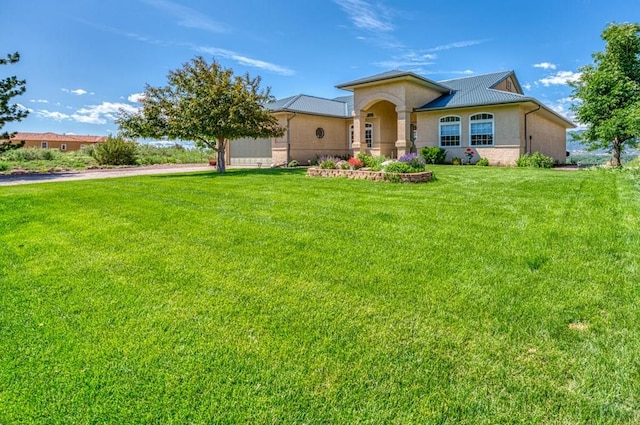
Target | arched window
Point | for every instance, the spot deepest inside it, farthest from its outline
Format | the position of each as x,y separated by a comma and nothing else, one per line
368,135
481,129
449,131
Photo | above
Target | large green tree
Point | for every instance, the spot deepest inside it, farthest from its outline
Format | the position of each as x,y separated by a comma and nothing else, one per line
10,87
204,103
608,92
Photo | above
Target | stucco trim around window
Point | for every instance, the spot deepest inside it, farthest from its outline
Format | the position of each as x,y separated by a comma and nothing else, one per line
481,129
449,131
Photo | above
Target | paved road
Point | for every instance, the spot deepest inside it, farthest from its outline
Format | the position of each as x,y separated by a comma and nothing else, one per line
11,180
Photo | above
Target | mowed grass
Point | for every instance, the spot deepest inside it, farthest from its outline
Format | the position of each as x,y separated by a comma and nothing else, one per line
491,295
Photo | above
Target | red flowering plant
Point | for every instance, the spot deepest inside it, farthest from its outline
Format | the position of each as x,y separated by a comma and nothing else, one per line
355,163
469,153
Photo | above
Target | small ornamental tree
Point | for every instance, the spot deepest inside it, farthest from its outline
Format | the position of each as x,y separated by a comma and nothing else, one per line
608,93
204,103
9,88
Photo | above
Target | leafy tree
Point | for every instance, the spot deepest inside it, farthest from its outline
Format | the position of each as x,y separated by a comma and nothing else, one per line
204,103
609,92
10,87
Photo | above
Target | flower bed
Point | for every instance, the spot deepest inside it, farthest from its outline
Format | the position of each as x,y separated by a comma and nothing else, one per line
422,177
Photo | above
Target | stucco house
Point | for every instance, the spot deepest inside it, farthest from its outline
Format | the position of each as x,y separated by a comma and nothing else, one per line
397,112
63,142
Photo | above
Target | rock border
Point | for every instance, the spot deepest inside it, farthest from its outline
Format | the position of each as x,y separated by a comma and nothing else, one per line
422,177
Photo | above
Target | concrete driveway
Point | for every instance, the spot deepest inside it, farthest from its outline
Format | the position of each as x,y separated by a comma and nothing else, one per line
15,179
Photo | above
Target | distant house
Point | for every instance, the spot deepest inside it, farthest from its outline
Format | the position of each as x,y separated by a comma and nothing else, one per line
397,112
63,142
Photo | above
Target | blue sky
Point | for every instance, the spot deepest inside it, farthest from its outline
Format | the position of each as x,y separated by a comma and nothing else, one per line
85,59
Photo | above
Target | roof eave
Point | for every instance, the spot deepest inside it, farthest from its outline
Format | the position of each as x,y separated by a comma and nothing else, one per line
350,86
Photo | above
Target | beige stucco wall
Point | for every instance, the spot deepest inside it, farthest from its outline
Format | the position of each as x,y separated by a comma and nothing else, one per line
548,133
508,85
548,136
305,146
507,133
403,94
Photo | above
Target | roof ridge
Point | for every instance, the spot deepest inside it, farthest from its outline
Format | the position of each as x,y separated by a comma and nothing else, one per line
477,76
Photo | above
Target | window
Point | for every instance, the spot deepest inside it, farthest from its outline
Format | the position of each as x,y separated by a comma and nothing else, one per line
481,130
44,145
319,132
450,131
508,84
63,147
414,132
368,135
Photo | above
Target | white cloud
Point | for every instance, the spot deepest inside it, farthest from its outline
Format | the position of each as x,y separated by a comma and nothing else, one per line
409,59
366,16
77,92
526,86
456,45
188,17
135,97
560,78
38,101
58,116
244,60
94,114
545,65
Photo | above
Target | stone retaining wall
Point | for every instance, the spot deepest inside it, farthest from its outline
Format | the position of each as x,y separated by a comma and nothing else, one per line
369,175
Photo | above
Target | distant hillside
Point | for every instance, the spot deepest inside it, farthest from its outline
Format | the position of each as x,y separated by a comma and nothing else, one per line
575,146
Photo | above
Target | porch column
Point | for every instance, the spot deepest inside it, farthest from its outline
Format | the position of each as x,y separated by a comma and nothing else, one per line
359,144
403,144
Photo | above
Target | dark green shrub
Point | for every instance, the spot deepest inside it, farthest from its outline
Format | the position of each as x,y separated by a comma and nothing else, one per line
116,151
483,162
4,166
433,154
535,160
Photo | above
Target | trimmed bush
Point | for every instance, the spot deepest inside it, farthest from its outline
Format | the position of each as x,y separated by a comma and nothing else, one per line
293,163
116,151
535,160
483,162
433,154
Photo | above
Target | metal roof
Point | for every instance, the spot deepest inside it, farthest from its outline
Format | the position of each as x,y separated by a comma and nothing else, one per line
457,93
312,105
475,91
391,75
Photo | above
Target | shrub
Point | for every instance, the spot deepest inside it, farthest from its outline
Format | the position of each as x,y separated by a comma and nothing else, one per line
327,162
116,151
4,166
433,154
372,162
293,163
535,160
456,161
31,154
416,161
399,167
483,162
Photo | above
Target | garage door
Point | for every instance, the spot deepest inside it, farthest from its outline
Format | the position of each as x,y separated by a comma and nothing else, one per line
250,152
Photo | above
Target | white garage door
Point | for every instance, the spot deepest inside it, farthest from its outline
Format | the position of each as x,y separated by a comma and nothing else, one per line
250,152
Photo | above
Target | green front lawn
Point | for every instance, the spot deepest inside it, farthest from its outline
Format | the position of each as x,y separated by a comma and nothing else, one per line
492,295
